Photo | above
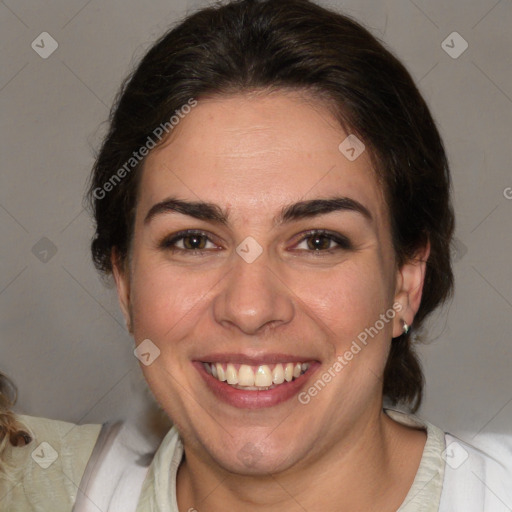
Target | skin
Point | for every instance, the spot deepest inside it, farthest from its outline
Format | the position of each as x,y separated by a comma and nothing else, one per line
251,155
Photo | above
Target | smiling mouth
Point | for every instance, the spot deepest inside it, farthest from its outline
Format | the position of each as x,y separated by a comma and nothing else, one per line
256,378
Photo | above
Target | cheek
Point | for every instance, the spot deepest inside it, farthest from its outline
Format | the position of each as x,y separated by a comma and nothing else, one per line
164,300
347,299
348,305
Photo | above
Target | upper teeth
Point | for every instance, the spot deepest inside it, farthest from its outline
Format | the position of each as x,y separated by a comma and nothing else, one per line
257,376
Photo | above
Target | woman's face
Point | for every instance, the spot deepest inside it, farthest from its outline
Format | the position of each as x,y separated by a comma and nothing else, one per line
260,248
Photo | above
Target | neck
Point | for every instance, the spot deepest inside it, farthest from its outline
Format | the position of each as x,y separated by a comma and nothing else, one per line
363,471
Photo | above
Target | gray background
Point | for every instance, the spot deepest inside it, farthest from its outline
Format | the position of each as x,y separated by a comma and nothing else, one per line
63,339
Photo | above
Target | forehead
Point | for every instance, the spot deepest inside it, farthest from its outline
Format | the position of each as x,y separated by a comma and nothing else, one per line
253,153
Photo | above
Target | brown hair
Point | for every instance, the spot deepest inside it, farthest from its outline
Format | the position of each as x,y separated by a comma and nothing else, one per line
249,45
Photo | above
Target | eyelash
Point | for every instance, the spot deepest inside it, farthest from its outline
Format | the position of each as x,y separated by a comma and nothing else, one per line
342,242
169,243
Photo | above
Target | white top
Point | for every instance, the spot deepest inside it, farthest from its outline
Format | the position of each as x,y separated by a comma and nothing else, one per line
452,476
478,476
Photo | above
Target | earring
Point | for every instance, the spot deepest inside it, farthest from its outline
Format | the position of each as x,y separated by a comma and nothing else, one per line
405,327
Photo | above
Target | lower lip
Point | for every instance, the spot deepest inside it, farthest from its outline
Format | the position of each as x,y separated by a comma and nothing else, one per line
255,399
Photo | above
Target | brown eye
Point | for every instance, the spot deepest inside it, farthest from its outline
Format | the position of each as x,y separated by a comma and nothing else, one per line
194,242
323,241
318,242
188,241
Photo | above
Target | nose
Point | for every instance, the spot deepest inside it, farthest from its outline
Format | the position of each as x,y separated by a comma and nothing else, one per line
253,297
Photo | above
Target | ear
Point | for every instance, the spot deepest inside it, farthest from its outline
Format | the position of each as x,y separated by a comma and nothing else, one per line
122,279
409,288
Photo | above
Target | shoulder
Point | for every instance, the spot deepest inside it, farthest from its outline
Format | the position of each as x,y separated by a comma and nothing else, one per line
470,472
478,473
46,473
117,468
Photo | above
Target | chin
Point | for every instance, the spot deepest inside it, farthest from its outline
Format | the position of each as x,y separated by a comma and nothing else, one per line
248,457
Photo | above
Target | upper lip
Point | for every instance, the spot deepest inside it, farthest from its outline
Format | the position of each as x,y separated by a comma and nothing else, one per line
267,358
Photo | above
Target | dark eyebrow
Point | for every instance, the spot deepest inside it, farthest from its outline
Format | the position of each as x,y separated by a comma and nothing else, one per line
301,210
314,207
197,209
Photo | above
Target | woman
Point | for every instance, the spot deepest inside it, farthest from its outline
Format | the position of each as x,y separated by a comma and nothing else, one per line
273,202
